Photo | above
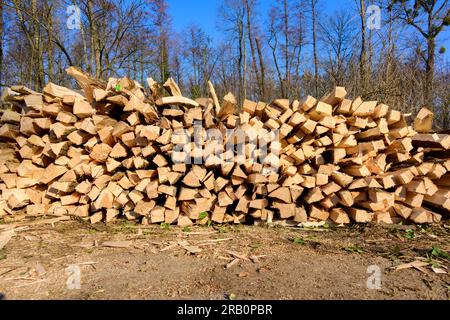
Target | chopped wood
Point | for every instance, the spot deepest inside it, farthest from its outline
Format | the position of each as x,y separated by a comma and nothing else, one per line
177,101
423,123
120,151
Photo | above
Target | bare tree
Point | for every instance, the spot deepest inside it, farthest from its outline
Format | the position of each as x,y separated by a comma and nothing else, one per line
232,15
201,59
363,74
252,40
338,35
286,38
429,18
264,55
1,44
314,31
161,20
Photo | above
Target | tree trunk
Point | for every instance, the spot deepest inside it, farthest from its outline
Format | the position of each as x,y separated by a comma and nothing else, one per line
263,70
391,48
1,45
252,46
244,43
363,54
87,65
277,67
91,37
316,62
38,79
50,59
429,76
94,40
286,49
240,61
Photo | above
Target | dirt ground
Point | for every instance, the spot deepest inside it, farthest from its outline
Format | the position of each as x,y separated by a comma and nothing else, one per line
128,261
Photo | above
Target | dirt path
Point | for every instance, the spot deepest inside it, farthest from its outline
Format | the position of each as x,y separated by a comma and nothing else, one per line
125,261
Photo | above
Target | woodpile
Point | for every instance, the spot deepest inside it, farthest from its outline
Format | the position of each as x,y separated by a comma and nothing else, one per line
113,150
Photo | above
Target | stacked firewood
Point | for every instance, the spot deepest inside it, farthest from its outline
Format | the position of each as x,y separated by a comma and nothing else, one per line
152,155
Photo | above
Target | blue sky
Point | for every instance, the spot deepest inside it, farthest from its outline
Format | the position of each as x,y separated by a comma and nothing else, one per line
204,13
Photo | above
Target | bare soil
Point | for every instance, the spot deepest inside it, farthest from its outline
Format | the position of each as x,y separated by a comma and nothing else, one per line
128,261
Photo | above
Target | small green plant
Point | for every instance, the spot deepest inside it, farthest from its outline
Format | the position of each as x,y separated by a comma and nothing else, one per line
186,229
127,227
298,240
209,223
222,229
165,225
425,228
434,263
118,87
2,256
202,215
439,253
409,234
354,249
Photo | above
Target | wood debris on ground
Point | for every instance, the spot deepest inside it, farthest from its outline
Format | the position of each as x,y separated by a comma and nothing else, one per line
235,258
113,150
5,237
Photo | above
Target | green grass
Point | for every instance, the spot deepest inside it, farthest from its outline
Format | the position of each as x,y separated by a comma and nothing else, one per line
439,253
298,240
409,234
165,226
222,229
125,227
354,249
425,228
62,227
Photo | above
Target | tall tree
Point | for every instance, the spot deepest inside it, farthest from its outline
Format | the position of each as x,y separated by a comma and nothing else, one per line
314,32
161,20
338,35
363,74
200,57
252,40
262,68
232,15
286,40
1,44
429,18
